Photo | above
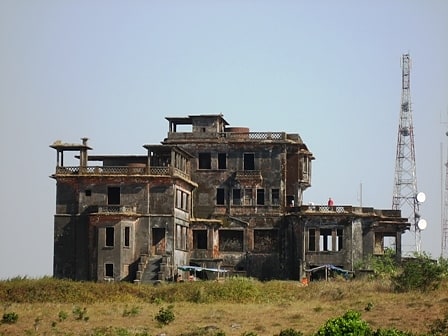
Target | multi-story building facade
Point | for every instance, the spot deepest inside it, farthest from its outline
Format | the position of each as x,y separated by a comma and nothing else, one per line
212,196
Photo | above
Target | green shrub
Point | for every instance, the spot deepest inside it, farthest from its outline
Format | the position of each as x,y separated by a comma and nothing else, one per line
134,311
80,314
348,324
165,315
419,273
290,332
62,316
10,318
391,332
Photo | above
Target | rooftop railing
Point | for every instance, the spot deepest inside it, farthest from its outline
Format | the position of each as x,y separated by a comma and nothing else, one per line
247,136
117,170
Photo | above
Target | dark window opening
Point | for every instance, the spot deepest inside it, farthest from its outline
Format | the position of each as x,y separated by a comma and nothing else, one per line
340,236
113,195
127,236
260,196
290,200
249,161
231,240
236,196
109,270
312,240
88,192
222,161
200,239
205,161
275,196
110,236
220,196
265,241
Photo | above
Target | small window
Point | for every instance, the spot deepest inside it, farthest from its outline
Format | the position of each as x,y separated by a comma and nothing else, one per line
249,161
110,236
205,161
113,195
200,239
260,196
88,192
127,236
220,196
275,196
339,241
236,196
222,161
248,196
109,270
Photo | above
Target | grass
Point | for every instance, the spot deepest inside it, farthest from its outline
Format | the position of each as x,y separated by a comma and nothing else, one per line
235,307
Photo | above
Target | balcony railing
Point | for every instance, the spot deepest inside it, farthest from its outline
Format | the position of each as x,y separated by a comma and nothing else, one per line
246,136
116,170
117,209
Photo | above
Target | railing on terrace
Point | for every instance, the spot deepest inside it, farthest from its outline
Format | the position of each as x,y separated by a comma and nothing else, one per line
248,174
117,209
101,170
248,136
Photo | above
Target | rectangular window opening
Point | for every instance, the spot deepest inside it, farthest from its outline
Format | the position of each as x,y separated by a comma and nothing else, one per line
88,192
249,161
340,239
200,239
265,241
110,236
205,161
325,240
275,197
248,196
311,240
220,196
236,196
127,236
113,195
109,270
260,196
231,240
222,161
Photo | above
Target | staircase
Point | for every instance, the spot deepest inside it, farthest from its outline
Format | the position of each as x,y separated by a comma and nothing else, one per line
151,269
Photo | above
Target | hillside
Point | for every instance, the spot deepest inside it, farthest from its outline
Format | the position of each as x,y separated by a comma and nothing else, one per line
233,307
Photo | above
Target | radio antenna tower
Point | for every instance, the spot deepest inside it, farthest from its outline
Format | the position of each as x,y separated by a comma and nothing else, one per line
406,197
445,210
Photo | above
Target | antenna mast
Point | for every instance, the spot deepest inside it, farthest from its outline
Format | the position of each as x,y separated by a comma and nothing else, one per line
445,213
405,197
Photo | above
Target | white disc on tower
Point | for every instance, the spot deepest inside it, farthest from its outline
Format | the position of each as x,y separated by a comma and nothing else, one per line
422,224
421,197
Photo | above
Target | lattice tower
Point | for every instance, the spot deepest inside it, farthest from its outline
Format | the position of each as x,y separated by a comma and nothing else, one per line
445,213
405,182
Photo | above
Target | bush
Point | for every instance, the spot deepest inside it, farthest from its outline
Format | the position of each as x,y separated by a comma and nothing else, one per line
165,315
290,332
10,318
419,273
348,324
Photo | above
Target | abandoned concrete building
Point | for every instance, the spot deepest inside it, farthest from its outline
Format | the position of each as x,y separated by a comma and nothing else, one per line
209,195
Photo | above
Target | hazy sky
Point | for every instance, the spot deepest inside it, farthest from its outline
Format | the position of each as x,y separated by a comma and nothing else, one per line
113,70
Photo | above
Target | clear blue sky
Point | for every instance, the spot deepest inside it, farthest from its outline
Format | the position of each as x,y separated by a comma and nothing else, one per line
112,70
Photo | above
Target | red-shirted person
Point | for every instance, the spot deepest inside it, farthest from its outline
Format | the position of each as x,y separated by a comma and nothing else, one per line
330,202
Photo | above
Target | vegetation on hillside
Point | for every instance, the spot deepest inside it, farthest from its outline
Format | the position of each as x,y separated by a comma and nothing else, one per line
64,307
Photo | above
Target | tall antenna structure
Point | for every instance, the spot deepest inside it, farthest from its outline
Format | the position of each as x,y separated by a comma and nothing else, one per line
445,211
405,196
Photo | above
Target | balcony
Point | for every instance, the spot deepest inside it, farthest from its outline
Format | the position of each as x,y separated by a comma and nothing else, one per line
116,209
121,171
